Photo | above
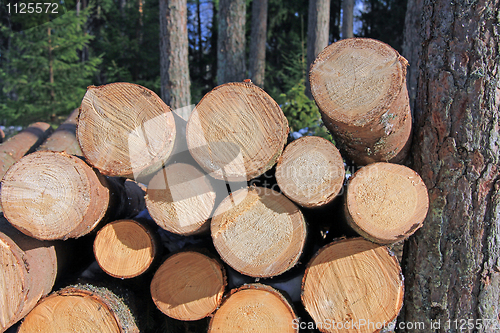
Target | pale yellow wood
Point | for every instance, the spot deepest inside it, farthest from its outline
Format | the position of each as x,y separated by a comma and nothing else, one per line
236,132
310,172
254,308
386,202
258,232
353,281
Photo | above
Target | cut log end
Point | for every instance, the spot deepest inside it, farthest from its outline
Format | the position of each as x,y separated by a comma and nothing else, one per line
188,286
180,198
359,85
50,195
352,281
258,232
80,309
125,130
124,248
236,132
355,77
386,202
311,171
254,308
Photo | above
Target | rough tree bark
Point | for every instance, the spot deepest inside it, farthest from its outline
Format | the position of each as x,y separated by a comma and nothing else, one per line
452,265
317,33
257,55
174,66
347,18
231,41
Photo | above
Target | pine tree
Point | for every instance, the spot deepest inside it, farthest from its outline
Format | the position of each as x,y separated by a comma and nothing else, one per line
42,74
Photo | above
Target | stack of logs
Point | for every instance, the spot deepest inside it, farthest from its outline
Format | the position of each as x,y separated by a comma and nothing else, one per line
216,220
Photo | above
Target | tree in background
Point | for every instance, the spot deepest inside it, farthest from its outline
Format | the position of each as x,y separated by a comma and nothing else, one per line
231,41
347,18
317,32
42,75
257,56
174,67
452,265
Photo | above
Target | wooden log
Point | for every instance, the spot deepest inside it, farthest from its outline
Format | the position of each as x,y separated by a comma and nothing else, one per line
353,285
81,308
236,132
385,202
188,286
125,130
52,195
2,136
125,248
29,269
254,308
181,199
258,232
64,137
21,144
359,85
310,172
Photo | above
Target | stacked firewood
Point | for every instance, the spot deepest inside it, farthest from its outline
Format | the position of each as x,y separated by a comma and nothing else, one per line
217,219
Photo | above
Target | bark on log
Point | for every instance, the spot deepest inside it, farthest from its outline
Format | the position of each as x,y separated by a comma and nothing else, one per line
64,137
258,232
181,199
29,269
125,248
188,286
254,308
385,202
359,85
52,195
236,132
21,144
81,308
353,281
310,172
125,130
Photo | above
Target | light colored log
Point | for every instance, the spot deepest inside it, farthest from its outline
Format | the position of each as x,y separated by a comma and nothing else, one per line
258,232
385,202
350,282
125,130
188,286
237,132
310,172
359,85
64,137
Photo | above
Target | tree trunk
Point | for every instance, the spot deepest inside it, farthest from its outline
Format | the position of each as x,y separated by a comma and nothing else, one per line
347,18
318,26
231,66
412,47
452,272
174,45
64,137
257,56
